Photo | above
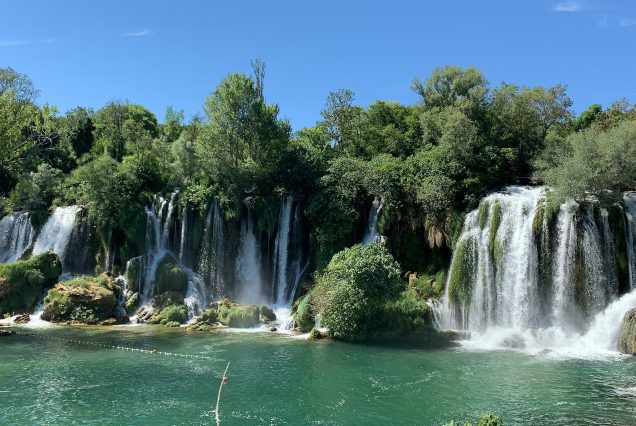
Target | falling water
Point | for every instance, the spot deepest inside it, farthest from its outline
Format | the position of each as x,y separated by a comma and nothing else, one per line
563,266
629,200
281,249
16,236
211,257
248,264
57,230
496,259
371,232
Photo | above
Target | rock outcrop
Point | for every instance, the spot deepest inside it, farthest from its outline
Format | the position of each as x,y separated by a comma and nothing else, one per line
88,300
627,334
22,282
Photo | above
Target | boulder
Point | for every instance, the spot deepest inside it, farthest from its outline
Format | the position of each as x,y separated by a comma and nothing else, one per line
170,277
131,302
238,316
22,319
85,299
627,333
514,342
267,314
315,334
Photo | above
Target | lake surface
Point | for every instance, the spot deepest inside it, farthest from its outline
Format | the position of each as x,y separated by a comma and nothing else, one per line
276,379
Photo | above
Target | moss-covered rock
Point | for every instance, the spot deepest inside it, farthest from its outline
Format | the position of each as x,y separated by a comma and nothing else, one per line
316,334
482,214
462,271
22,282
170,277
267,314
495,221
177,313
85,299
627,334
238,316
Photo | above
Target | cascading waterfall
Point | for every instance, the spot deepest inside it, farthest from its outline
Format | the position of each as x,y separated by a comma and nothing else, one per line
629,200
157,226
109,256
563,266
371,232
56,232
16,236
209,283
511,277
248,264
281,250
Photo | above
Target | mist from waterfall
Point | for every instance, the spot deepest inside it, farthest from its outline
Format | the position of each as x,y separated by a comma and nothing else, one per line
16,236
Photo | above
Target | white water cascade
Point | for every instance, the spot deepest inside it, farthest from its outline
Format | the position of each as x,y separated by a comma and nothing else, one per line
56,232
156,246
248,264
514,283
371,231
281,251
16,236
629,200
209,284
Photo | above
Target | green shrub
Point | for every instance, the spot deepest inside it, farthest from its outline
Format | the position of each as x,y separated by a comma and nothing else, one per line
350,295
304,316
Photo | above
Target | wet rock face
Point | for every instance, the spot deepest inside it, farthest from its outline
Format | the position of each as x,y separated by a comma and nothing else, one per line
627,334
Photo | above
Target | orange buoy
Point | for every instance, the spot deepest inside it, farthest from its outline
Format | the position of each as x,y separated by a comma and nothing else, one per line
154,350
225,379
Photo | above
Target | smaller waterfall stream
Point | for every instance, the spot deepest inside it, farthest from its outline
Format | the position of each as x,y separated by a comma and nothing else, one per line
371,232
248,264
16,236
56,233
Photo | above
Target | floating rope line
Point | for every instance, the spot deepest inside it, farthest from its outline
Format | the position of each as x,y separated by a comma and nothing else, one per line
218,398
119,347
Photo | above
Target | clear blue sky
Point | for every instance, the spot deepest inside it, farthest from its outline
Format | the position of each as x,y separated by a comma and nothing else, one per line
161,53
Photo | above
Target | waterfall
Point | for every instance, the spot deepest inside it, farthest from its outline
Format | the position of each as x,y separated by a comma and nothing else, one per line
211,258
512,278
157,241
371,232
563,267
16,236
248,264
281,249
629,200
109,256
56,232
120,310
184,235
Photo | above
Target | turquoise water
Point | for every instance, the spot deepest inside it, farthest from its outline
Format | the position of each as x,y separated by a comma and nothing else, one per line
281,380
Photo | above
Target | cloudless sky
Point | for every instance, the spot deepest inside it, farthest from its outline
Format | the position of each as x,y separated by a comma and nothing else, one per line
161,53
